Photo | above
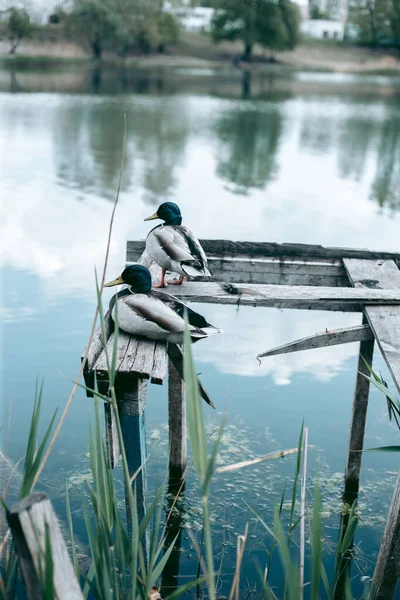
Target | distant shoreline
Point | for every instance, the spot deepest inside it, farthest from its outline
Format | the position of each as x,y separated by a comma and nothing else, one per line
311,56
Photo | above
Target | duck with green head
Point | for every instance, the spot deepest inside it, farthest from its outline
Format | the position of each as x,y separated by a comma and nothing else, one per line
174,247
152,314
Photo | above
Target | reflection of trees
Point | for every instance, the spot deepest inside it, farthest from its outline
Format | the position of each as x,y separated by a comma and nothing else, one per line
249,140
88,142
353,146
386,186
161,133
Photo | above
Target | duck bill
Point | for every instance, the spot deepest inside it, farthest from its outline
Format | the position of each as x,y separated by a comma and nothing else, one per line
152,217
118,281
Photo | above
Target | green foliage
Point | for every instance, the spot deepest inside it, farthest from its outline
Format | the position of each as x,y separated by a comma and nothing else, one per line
376,21
19,27
317,13
274,25
122,26
94,21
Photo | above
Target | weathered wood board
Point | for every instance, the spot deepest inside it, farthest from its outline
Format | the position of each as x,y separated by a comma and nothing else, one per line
383,320
333,337
225,248
286,296
28,520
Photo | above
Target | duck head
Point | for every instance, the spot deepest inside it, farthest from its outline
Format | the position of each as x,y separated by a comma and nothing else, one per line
168,212
136,276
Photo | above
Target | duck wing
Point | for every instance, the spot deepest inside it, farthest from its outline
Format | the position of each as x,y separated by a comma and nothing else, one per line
195,319
180,245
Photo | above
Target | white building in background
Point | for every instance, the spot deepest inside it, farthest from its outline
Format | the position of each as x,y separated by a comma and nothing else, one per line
196,18
330,28
323,29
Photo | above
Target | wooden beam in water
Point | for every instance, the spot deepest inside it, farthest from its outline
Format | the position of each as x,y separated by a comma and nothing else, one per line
321,340
29,521
270,249
387,569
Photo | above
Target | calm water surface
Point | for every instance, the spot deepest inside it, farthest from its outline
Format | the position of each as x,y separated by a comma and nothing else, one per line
311,158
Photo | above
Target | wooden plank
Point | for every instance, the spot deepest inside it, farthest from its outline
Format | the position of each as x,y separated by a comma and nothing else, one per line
230,248
387,569
29,520
383,320
159,363
176,356
286,296
274,278
321,340
176,418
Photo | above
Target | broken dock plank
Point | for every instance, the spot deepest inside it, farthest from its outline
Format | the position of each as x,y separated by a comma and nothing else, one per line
383,320
321,340
286,296
31,520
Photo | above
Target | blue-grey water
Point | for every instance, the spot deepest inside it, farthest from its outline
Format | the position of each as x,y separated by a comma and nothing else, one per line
308,158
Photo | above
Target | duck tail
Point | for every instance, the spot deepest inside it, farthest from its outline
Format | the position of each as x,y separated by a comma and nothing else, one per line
193,271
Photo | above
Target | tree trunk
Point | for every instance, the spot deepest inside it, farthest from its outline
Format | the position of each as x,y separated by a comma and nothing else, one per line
248,50
14,45
96,49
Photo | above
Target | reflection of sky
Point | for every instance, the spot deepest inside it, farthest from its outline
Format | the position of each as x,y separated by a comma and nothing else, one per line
55,228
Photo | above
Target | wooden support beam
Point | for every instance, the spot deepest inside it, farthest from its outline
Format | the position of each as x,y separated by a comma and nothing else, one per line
29,520
176,418
175,523
270,249
383,320
358,420
321,340
132,404
176,356
287,296
387,569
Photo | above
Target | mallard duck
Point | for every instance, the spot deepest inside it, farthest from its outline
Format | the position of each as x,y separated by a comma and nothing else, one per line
173,246
152,314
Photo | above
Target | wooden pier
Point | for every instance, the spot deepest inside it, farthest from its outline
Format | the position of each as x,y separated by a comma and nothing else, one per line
262,274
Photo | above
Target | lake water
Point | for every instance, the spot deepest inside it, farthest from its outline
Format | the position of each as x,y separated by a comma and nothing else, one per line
312,158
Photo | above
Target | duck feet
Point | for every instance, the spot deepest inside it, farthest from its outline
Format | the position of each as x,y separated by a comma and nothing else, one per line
177,281
162,283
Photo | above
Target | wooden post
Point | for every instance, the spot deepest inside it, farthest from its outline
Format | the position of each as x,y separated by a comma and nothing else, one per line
354,456
176,419
174,527
132,403
358,420
29,520
387,569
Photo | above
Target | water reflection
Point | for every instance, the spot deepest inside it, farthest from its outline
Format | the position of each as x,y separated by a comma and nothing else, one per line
249,138
386,186
88,138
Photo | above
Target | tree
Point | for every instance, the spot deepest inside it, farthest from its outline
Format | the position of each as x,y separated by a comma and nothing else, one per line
19,26
274,25
372,19
123,25
95,22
